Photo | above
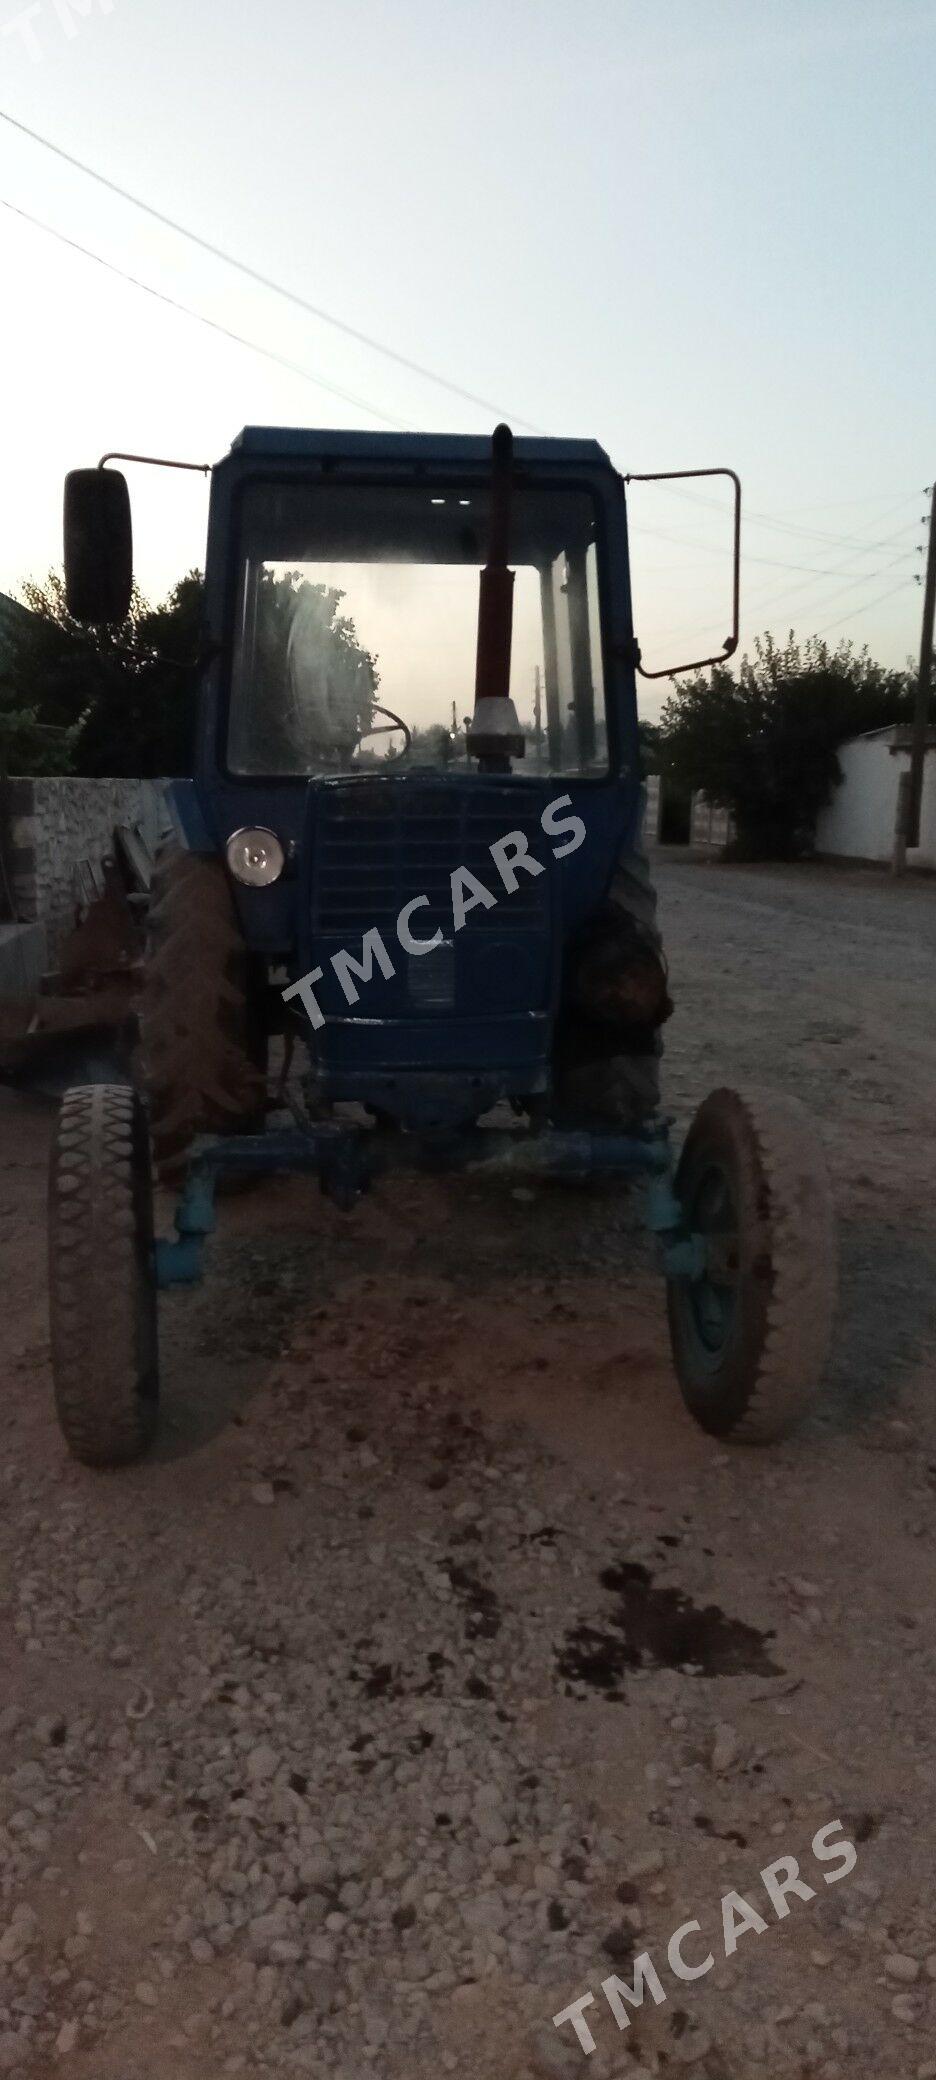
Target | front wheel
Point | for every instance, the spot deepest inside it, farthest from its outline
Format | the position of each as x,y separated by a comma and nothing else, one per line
751,1325
102,1288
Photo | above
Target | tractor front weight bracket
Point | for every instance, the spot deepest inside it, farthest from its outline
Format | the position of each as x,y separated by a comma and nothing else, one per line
684,1253
179,1262
346,1158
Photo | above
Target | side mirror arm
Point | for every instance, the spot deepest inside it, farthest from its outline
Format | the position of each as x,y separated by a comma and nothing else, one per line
156,462
697,664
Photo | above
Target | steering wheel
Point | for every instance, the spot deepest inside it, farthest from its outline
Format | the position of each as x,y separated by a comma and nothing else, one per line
386,729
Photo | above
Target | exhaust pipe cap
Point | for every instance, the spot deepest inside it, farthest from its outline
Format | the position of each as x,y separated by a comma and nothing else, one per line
494,730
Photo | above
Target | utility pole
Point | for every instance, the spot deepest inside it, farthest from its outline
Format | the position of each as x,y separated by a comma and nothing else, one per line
921,709
910,787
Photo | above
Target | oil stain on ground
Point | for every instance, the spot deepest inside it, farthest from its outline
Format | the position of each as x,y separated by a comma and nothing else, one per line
651,1627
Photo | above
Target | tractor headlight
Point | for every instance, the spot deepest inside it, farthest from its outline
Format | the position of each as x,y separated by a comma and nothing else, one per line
255,857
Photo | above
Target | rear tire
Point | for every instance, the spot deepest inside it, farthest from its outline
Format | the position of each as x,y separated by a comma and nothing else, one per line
608,1076
102,1288
204,1058
750,1336
622,1092
632,890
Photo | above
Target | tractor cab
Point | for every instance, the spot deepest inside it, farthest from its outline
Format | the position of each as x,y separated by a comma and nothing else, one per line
423,649
355,613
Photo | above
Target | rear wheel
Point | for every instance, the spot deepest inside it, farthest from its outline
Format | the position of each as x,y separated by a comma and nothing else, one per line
622,1092
751,1330
615,998
102,1289
204,1052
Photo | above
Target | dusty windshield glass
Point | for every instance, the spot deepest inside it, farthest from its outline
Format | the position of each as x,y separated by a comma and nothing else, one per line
358,610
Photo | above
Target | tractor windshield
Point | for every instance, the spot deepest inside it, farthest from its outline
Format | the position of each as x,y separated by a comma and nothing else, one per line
358,610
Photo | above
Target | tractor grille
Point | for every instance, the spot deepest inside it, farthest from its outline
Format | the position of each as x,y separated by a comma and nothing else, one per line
376,847
430,978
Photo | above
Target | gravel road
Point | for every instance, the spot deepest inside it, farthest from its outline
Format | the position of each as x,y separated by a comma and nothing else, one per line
436,1666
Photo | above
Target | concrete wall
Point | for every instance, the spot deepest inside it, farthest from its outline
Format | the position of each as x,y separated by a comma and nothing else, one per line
48,827
23,959
859,821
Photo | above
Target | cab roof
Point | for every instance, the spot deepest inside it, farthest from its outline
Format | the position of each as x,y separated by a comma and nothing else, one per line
435,449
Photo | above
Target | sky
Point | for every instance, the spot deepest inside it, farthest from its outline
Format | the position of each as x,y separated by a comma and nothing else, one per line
699,231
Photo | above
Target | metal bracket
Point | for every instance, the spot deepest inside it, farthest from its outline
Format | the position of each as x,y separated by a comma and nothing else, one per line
664,1212
685,1254
686,1257
179,1262
347,1159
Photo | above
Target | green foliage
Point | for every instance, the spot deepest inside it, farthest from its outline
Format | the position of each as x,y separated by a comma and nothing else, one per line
436,746
764,744
276,733
649,736
117,701
26,744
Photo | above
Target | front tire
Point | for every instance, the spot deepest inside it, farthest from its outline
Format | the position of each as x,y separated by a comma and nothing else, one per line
102,1288
750,1334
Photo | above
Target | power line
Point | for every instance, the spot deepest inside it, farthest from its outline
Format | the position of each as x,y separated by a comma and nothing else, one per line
825,505
764,601
904,582
773,562
253,274
268,353
760,606
854,584
758,519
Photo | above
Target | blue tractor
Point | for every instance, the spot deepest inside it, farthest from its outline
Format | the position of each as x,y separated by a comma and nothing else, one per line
412,844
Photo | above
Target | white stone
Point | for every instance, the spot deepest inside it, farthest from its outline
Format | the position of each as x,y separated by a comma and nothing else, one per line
906,1969
262,1763
648,1865
725,1749
19,1937
554,2058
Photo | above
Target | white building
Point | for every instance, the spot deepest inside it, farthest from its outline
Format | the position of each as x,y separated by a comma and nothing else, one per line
860,819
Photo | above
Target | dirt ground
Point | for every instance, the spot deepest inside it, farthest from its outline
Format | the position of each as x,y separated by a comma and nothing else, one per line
435,1666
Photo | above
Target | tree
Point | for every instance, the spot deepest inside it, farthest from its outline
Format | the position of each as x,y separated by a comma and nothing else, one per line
435,745
122,701
26,744
764,745
310,684
649,736
105,700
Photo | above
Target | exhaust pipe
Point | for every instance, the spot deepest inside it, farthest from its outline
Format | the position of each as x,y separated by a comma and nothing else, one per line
494,735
